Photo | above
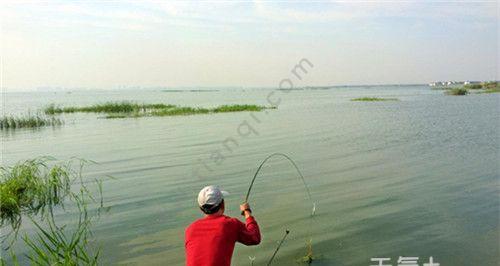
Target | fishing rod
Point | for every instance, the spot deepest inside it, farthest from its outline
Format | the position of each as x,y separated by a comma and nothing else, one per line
278,248
294,165
308,194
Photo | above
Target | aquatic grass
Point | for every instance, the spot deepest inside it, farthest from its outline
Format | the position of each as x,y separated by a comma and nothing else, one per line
373,99
239,108
108,107
112,116
32,189
473,86
59,245
28,121
309,257
491,85
128,109
493,90
457,91
180,111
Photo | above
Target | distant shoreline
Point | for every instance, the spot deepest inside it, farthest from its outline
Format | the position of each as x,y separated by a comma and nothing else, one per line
197,88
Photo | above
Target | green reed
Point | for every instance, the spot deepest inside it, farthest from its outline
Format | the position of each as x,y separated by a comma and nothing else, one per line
483,87
493,90
109,107
373,99
309,257
130,109
32,189
28,121
457,91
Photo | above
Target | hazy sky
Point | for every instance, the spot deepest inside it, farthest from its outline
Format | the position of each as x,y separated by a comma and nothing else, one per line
226,43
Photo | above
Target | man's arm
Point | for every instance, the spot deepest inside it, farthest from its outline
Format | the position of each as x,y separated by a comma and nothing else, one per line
248,233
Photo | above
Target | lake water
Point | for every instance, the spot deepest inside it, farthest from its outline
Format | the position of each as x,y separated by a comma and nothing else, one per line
417,177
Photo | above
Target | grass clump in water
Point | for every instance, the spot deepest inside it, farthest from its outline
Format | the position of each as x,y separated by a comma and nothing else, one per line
109,107
473,86
180,111
239,108
309,257
28,121
457,91
493,90
128,109
490,87
29,188
373,99
32,189
483,87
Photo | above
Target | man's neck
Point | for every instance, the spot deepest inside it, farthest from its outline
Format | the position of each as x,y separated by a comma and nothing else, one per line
219,213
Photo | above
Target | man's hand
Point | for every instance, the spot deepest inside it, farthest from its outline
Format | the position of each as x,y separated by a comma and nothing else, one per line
245,210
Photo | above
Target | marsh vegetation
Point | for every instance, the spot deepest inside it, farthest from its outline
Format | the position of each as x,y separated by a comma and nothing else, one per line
482,87
457,91
130,109
28,121
373,99
34,190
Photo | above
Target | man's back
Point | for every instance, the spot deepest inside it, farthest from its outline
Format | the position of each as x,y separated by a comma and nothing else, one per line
210,241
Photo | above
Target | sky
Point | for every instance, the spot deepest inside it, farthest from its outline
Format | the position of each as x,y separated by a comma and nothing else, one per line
114,44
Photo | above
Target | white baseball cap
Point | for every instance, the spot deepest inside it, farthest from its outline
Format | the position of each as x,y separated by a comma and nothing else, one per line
211,195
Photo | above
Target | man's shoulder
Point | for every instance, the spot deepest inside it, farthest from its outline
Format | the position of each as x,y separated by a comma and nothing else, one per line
233,220
193,224
222,219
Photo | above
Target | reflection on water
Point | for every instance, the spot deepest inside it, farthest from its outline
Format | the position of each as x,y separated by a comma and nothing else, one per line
416,177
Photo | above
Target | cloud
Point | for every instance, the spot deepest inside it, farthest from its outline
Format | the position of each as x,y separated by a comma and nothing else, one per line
301,12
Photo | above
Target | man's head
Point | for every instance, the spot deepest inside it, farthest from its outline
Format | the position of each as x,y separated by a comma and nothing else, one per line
211,200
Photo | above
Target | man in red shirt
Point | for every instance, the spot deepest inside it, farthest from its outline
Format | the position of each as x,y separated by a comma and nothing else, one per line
209,241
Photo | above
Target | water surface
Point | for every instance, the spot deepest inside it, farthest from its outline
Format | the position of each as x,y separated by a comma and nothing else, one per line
415,177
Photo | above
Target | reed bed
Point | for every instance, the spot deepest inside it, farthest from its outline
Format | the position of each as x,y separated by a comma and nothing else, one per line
492,90
32,189
28,121
373,99
109,107
129,109
457,91
483,87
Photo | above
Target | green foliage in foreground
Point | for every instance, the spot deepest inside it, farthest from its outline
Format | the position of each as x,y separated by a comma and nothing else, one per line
32,189
457,91
373,99
28,121
57,245
128,109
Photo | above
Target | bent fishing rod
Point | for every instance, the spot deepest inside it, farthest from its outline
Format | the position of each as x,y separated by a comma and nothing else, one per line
303,182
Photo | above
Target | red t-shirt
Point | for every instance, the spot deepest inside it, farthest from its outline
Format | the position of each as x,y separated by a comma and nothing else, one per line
210,241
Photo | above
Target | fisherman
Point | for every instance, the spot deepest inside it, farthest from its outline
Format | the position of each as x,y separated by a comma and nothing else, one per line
210,241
